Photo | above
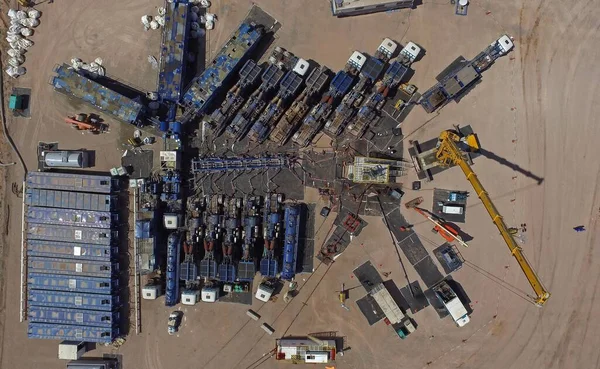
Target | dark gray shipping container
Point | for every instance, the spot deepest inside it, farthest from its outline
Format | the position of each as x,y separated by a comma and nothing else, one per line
72,182
72,267
68,250
55,282
71,200
50,232
68,217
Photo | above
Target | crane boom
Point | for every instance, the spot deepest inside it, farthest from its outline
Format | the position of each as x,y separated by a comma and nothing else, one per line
448,152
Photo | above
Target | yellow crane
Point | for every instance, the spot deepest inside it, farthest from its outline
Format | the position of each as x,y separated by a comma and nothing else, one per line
449,153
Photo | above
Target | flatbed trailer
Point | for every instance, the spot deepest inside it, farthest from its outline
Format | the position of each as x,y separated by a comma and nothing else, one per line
338,88
369,74
71,217
370,112
71,200
48,232
69,250
74,300
72,182
293,117
89,318
106,269
72,332
55,282
256,103
249,79
289,88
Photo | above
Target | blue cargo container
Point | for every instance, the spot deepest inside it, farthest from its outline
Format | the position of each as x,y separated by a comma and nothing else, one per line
69,217
89,318
69,82
173,51
209,84
73,300
49,232
71,200
89,268
72,182
290,243
72,332
98,285
67,250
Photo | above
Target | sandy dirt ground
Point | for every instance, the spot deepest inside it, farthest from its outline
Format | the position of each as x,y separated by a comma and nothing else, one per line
535,111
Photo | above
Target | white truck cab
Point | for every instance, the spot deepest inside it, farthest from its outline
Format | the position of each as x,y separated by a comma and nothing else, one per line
505,43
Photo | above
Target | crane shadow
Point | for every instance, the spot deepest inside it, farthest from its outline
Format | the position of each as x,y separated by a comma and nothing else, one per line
513,166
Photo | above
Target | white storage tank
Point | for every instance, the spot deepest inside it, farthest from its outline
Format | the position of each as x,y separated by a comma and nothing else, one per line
65,159
151,291
190,297
210,294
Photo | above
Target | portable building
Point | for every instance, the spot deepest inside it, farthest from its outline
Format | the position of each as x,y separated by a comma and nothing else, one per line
68,250
90,318
73,300
72,182
96,285
72,332
90,268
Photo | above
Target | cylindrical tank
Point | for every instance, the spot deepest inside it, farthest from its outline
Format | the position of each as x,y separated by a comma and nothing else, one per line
176,127
64,159
164,126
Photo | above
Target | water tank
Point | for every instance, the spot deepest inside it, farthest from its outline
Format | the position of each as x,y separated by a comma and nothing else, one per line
176,127
164,126
64,159
463,2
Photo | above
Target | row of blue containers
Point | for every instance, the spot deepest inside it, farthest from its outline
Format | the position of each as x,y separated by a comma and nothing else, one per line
68,250
72,182
72,217
71,200
65,283
72,332
73,269
50,232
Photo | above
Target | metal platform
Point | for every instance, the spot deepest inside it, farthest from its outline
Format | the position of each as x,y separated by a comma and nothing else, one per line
227,272
269,267
208,268
212,165
246,270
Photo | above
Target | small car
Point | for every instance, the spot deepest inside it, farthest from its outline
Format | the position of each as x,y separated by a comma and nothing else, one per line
174,322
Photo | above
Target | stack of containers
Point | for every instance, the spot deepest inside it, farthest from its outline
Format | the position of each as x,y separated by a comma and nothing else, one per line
72,256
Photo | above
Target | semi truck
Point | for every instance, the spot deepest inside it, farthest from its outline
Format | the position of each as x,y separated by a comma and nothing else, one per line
339,87
315,83
452,303
65,159
369,74
289,88
453,84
